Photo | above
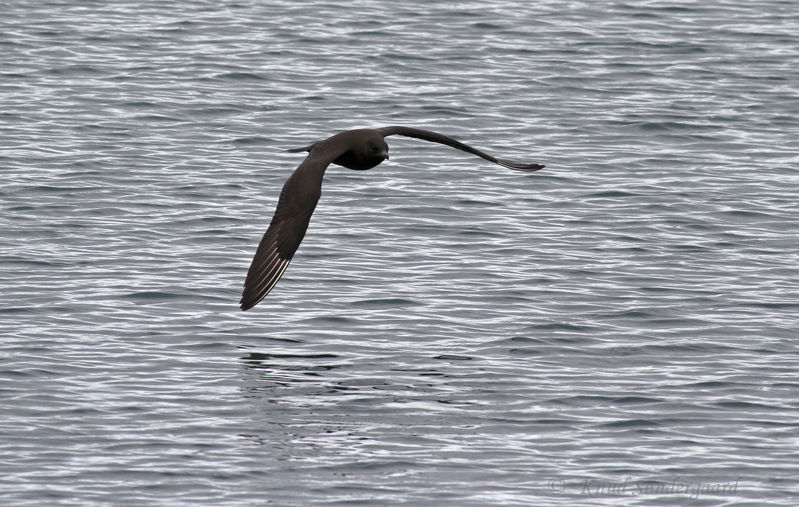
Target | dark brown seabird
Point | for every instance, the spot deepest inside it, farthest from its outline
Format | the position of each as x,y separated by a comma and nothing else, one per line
359,149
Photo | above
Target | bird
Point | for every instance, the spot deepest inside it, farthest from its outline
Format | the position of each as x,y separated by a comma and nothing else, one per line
358,149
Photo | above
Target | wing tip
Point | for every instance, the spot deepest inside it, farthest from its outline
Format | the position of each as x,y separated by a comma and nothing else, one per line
257,288
521,167
247,302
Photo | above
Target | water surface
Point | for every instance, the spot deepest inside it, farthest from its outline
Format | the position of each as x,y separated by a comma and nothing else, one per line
619,328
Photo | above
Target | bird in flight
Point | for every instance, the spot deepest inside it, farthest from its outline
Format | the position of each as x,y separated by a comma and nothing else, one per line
359,149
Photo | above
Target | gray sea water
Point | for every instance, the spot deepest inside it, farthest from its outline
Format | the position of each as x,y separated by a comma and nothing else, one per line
619,328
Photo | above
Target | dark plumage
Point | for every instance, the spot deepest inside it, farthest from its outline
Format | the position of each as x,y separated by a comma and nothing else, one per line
355,149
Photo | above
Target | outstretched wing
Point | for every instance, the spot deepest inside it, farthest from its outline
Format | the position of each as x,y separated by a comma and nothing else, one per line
294,209
435,137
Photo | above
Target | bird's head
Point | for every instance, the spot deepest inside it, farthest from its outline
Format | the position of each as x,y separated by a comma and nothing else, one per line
377,149
366,149
368,153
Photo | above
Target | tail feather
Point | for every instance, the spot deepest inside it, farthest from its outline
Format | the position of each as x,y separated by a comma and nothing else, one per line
300,150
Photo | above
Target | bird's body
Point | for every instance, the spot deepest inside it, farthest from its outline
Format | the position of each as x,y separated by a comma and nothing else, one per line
359,149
